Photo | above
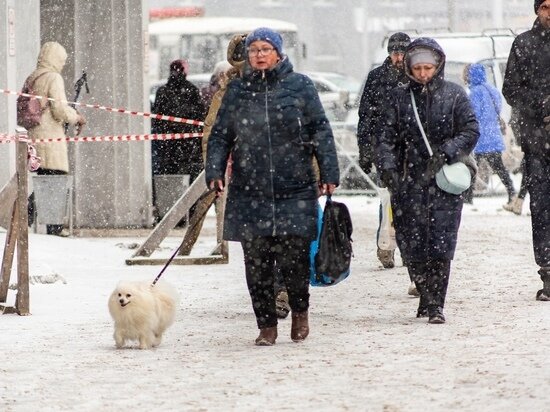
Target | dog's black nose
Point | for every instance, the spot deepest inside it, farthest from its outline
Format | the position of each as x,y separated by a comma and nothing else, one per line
121,301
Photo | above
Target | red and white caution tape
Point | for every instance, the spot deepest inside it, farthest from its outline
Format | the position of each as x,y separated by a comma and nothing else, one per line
110,109
4,138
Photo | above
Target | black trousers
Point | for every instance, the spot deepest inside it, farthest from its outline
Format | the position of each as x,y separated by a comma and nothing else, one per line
431,279
538,170
263,257
495,161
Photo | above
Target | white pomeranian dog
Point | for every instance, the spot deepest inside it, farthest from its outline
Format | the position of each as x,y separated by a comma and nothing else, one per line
142,312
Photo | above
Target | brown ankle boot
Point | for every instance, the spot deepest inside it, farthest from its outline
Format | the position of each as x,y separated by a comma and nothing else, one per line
300,326
267,336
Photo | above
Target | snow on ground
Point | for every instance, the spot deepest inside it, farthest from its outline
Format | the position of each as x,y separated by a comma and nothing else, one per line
366,350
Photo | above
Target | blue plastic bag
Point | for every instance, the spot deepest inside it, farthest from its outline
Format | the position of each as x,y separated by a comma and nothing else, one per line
321,279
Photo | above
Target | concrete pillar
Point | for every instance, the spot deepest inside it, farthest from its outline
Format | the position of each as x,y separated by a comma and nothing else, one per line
106,38
19,27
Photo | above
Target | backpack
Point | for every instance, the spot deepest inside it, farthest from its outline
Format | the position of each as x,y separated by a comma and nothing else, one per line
333,251
29,110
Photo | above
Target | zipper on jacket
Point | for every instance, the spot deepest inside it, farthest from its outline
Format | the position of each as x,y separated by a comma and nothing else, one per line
271,171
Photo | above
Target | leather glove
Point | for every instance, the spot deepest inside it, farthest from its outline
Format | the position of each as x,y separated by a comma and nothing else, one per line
435,163
547,121
365,164
365,161
390,178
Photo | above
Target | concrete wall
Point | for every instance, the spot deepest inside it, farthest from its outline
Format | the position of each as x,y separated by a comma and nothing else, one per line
105,38
20,29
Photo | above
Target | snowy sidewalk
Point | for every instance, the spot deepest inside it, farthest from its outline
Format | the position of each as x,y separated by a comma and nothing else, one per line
366,350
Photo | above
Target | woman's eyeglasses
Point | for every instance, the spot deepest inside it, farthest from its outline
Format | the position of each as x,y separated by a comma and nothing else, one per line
264,51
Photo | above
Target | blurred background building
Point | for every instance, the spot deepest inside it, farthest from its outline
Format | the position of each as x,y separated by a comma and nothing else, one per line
343,35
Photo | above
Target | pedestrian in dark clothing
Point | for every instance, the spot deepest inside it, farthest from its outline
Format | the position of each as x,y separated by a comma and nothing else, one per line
380,81
180,98
426,218
487,103
273,125
526,87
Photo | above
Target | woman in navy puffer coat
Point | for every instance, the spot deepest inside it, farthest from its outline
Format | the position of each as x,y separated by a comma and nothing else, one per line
272,124
487,103
426,218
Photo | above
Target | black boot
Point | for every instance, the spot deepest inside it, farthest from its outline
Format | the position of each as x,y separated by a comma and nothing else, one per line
417,274
436,285
544,293
435,314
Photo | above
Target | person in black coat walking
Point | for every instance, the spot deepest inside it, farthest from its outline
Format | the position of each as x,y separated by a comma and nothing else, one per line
273,125
526,88
426,218
180,98
380,81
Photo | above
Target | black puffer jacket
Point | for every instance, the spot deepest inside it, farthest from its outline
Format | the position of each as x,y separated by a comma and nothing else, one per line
527,85
273,124
180,98
426,218
378,85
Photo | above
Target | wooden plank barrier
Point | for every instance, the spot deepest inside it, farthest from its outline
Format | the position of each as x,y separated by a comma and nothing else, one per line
13,197
197,191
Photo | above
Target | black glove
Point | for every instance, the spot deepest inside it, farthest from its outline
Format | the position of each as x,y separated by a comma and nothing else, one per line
365,164
390,178
435,163
365,161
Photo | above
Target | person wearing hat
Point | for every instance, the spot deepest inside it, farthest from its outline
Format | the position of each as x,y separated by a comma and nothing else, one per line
272,124
378,84
426,217
180,98
526,88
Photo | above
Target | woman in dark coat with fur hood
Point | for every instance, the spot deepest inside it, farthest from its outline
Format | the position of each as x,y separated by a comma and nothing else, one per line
426,218
273,125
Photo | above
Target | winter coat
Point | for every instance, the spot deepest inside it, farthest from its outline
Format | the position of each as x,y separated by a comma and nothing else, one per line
527,85
51,59
181,98
426,218
380,81
487,104
273,124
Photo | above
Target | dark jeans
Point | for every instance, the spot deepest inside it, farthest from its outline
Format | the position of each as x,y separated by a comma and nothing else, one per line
263,256
495,161
431,279
537,168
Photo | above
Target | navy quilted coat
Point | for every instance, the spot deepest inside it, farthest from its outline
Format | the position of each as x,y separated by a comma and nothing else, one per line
273,125
425,217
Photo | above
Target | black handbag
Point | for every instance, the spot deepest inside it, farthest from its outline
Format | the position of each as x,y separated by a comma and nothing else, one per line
334,254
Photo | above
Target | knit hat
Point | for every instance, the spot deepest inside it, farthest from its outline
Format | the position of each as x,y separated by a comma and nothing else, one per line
180,66
422,55
268,35
537,5
398,42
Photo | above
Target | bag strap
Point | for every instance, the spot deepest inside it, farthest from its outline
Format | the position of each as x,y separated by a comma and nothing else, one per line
31,86
492,99
430,151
